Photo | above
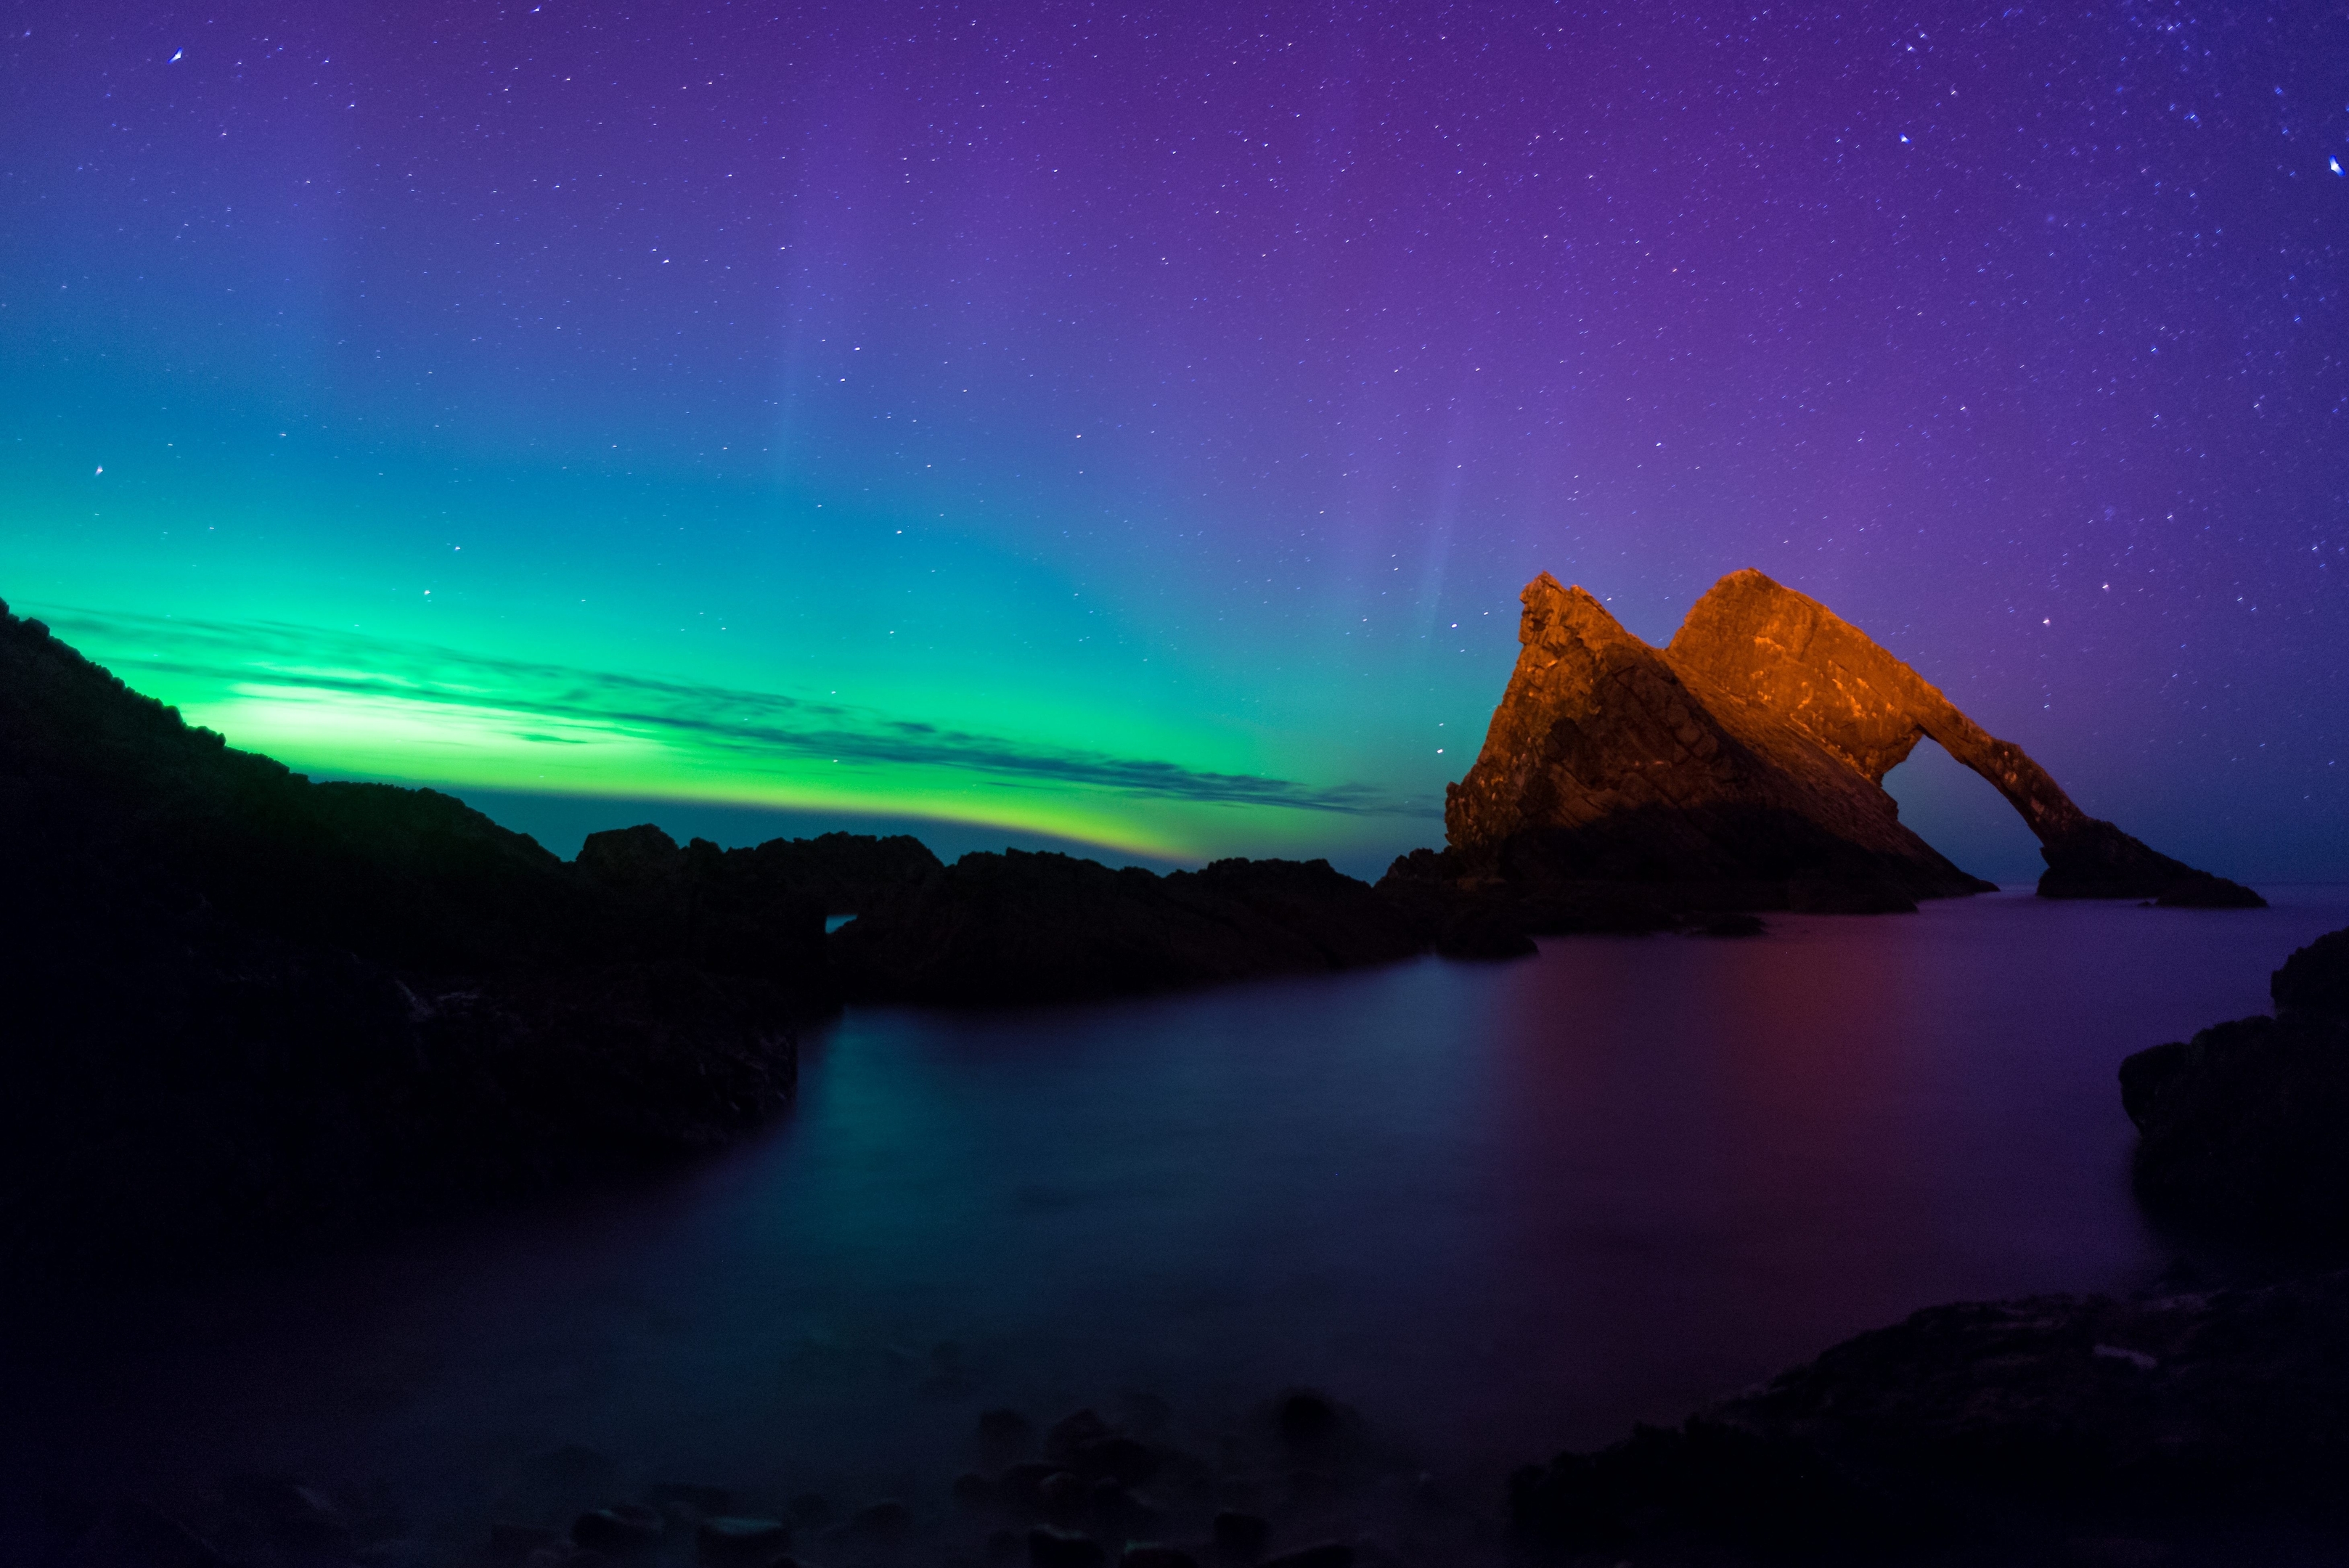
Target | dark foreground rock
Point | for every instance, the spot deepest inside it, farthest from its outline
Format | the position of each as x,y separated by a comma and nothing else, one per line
1299,1482
242,1007
2244,1129
1741,768
2092,859
2187,1429
1021,928
2199,1427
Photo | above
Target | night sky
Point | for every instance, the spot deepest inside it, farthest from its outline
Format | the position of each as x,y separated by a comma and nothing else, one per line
1134,425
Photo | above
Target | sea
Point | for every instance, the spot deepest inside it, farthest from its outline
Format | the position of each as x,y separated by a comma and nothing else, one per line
1497,1210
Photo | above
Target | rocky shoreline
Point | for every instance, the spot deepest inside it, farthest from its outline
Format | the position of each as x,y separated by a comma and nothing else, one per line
1301,1484
2201,1421
2198,1423
2183,1426
2186,1427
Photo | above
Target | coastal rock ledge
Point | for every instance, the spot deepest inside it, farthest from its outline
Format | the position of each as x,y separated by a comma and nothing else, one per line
1742,767
2194,1427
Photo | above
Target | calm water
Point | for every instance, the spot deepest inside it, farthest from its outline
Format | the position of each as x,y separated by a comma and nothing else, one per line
1501,1209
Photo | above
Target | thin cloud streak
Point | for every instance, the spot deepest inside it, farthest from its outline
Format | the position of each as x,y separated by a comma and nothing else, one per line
749,723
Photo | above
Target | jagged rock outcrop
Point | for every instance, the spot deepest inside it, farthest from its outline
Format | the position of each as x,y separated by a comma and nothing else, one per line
2244,1129
847,873
1019,926
2200,1426
243,1006
1742,766
843,873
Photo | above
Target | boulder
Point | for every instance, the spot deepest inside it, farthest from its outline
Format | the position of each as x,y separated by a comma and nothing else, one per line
625,1531
2243,1130
2312,986
1239,1535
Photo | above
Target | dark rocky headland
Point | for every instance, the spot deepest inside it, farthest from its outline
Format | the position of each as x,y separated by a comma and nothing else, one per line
2201,1423
247,1008
246,1004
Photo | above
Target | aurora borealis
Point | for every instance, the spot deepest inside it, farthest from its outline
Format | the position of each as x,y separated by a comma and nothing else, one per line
1134,425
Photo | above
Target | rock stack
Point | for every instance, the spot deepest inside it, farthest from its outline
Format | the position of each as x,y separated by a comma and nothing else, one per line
1742,767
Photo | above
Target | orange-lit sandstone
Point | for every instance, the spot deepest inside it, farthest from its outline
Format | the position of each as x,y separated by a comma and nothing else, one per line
1744,763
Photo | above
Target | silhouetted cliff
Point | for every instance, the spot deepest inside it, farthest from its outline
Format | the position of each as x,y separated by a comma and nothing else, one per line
243,1005
840,873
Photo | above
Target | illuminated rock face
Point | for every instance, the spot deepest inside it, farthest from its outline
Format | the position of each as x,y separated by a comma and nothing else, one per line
1748,756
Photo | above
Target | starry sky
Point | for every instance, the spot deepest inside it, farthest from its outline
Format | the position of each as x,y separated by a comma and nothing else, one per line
1129,426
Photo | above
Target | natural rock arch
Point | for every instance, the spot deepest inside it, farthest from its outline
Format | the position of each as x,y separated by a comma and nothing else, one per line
1753,747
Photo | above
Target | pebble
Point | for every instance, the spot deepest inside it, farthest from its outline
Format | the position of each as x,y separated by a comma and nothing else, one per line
1322,1555
729,1542
1051,1548
1151,1554
624,1530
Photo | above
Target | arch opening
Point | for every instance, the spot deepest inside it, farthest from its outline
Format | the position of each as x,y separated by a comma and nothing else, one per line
1962,814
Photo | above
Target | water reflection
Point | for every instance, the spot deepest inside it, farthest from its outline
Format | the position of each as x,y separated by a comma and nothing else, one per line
1501,1209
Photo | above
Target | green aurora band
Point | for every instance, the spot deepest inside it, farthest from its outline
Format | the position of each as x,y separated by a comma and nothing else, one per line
352,704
